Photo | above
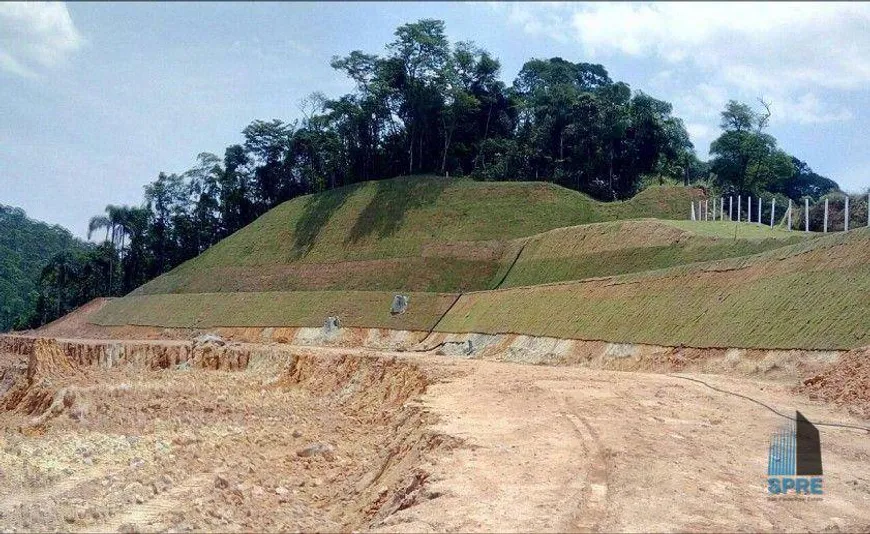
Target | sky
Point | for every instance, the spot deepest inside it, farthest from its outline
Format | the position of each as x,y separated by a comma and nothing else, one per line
97,98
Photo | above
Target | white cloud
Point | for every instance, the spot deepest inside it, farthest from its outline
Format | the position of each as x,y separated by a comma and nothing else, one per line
753,45
36,35
807,109
700,130
547,18
789,53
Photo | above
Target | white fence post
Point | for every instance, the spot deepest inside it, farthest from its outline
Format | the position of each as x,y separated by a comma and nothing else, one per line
806,215
826,217
731,209
693,209
772,210
706,210
759,210
846,225
738,208
789,215
722,209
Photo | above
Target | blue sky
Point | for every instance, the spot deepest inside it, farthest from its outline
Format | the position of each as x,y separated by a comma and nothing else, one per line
97,98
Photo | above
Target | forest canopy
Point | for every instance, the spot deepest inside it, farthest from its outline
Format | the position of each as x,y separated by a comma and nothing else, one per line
26,246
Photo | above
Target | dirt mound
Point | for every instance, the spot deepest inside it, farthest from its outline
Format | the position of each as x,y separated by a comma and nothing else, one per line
846,383
166,436
368,385
75,323
37,389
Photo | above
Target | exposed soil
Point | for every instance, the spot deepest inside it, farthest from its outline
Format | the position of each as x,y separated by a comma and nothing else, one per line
272,441
846,383
154,436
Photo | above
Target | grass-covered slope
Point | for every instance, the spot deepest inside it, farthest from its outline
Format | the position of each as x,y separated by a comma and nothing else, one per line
621,277
414,234
613,248
281,309
814,294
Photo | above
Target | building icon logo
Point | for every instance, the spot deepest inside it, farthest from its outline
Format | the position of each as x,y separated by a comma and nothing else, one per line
794,461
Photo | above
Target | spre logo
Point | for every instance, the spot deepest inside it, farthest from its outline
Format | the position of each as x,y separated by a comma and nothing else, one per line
794,461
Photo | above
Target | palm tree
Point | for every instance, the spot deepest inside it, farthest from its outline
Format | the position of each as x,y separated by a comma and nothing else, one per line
116,221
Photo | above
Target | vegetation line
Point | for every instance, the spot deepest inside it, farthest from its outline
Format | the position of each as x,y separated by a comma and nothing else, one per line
503,278
435,324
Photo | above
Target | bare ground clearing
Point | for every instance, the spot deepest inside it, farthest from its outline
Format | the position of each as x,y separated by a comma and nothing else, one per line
290,438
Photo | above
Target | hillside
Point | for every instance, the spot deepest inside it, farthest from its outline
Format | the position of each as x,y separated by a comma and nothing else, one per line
669,282
811,295
414,234
613,248
273,309
25,247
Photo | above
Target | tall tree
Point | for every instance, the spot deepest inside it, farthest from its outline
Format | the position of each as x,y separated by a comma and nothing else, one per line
745,158
417,75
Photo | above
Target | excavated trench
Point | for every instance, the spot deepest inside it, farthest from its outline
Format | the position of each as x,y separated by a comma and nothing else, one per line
108,436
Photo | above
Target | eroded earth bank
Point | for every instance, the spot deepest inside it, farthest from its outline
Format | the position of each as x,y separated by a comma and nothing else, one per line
180,436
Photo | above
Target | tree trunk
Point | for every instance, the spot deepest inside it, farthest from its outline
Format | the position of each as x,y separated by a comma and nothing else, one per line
447,138
485,136
411,153
610,165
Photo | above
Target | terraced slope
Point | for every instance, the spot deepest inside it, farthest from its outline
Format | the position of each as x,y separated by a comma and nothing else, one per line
413,234
275,308
810,295
650,281
612,248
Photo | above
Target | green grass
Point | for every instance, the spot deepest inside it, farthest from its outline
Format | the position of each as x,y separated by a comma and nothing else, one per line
736,230
623,277
614,248
440,235
369,309
809,295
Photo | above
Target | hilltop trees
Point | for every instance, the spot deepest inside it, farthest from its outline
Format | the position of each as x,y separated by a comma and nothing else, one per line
437,107
746,160
804,182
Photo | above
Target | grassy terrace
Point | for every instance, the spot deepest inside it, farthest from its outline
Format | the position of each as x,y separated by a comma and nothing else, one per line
811,295
416,234
280,309
614,248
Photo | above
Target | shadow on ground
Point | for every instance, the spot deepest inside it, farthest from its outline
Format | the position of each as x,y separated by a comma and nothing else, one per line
393,199
317,212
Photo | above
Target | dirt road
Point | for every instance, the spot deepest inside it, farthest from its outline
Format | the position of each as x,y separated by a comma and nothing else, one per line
341,439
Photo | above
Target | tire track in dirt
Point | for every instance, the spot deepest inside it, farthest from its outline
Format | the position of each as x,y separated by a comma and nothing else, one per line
46,494
592,500
146,513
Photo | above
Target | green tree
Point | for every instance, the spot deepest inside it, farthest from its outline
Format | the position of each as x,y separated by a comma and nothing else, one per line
417,73
745,159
